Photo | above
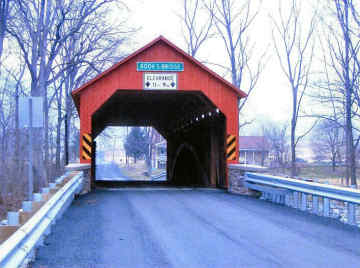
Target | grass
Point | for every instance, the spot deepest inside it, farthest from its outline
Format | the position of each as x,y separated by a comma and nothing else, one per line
322,174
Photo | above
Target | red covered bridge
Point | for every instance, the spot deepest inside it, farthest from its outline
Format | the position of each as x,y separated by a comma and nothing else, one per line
161,86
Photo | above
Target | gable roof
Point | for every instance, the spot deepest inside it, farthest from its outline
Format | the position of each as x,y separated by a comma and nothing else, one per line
253,143
77,91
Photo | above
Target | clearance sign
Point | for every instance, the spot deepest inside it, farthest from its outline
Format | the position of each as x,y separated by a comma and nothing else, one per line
158,81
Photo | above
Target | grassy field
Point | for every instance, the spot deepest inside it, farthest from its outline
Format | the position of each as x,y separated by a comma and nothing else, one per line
323,174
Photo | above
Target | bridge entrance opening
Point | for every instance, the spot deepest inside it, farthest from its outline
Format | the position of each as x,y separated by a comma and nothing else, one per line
191,130
130,154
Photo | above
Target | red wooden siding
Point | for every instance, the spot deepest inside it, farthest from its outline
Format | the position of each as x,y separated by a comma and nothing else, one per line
92,95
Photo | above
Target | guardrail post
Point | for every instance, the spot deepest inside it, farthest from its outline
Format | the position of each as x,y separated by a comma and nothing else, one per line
37,197
296,200
303,201
326,209
282,199
45,190
287,200
13,218
27,206
351,213
315,204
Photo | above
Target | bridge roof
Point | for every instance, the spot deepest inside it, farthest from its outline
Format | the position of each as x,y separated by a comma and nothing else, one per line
76,93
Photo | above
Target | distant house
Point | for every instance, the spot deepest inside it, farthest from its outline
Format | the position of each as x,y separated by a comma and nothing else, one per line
160,156
253,150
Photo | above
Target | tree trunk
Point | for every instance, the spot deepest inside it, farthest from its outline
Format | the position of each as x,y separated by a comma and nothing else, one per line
4,9
17,136
66,139
58,132
293,145
333,162
351,165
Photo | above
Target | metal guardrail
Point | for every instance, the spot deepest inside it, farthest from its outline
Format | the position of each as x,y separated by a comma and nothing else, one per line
159,176
296,193
20,247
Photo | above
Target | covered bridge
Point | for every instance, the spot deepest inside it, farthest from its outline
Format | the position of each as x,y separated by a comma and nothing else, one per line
160,85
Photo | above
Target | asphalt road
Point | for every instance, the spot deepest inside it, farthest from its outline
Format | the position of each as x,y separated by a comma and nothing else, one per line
194,228
110,172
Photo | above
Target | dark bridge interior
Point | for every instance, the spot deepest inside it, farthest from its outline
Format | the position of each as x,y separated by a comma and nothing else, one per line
192,125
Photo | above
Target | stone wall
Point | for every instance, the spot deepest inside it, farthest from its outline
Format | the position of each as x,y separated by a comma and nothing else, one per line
236,177
87,182
85,168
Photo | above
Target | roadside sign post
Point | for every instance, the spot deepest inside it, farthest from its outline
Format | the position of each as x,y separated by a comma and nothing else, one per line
31,116
31,175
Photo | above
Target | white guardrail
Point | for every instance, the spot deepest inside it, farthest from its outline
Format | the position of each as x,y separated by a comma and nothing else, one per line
19,248
308,196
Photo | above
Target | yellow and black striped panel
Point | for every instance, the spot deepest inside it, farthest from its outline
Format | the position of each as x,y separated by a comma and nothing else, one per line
231,147
86,146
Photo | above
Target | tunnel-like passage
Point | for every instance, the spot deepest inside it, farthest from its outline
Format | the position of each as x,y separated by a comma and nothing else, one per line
192,125
161,86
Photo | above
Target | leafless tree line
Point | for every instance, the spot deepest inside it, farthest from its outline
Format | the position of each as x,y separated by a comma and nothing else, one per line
338,85
317,46
49,48
229,22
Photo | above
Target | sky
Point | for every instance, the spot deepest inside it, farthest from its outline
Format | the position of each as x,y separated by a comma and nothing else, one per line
271,98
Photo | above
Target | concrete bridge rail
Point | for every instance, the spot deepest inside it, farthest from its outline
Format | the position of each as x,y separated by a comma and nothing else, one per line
19,249
317,198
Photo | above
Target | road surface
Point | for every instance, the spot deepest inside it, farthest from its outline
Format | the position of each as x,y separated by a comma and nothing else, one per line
110,172
194,228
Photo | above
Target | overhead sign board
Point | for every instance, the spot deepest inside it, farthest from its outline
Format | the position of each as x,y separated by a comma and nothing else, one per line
37,112
158,81
160,66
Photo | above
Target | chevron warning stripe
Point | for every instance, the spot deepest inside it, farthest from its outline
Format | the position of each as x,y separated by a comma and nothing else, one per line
231,147
86,146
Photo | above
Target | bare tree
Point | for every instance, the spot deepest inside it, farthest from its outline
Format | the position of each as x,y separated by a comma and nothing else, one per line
349,79
41,29
295,50
86,54
233,21
197,23
343,82
12,164
4,16
327,141
276,136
